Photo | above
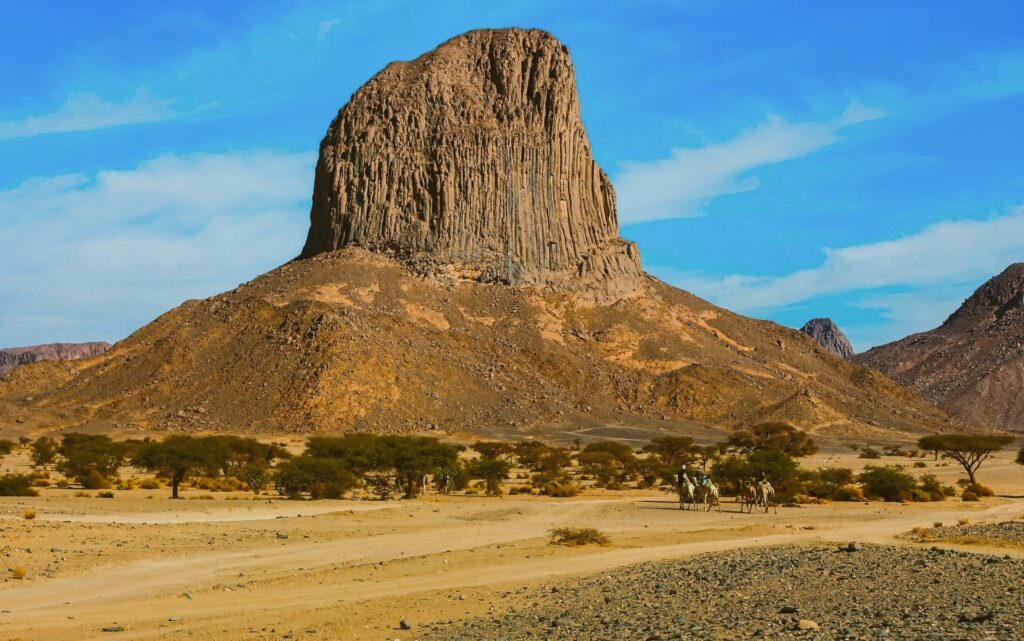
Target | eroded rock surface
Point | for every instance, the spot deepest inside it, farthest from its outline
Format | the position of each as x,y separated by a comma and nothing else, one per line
829,336
973,364
472,160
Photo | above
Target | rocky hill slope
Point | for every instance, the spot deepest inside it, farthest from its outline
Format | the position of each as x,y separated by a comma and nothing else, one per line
829,336
973,364
463,271
11,357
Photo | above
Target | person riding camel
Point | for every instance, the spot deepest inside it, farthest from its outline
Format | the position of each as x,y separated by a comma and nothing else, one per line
763,480
702,479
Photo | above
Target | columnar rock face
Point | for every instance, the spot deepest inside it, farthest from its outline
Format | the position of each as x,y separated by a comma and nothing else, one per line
12,357
829,336
472,160
973,364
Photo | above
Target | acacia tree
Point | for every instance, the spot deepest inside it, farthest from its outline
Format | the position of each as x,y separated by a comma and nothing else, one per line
91,459
180,456
44,451
772,436
969,450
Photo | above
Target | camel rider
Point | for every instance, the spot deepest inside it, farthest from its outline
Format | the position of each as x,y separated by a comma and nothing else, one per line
702,479
763,480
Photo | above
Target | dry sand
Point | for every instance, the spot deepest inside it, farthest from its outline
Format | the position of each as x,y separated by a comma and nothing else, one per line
354,569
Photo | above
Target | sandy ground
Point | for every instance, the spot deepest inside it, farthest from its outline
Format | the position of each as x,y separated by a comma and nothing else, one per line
252,568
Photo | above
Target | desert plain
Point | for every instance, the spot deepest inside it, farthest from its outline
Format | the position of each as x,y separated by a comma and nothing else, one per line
230,565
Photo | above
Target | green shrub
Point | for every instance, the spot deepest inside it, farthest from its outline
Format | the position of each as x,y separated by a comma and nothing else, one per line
936,491
105,495
890,483
17,485
321,478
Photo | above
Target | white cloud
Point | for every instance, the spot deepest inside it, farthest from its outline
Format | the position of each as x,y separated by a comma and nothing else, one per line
682,184
326,26
946,252
84,111
121,247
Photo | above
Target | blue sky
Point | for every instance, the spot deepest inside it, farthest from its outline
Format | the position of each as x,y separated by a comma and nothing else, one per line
786,160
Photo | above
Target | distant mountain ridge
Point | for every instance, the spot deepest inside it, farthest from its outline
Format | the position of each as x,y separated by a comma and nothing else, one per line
973,364
829,336
12,357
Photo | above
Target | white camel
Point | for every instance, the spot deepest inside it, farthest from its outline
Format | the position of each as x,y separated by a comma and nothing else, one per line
766,496
687,491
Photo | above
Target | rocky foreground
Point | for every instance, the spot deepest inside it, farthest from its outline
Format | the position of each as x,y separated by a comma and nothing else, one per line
792,592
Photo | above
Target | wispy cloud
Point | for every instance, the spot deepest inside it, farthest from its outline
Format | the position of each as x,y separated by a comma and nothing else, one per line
83,111
124,246
943,253
684,183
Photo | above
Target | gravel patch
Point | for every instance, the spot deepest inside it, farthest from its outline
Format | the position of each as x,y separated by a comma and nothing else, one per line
1006,533
790,592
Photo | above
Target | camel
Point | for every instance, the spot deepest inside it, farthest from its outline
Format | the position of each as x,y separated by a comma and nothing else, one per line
687,491
748,495
710,496
767,496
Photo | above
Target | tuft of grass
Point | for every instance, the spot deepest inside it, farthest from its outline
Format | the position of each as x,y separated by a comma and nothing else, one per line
106,495
28,515
18,572
962,521
576,536
82,495
937,524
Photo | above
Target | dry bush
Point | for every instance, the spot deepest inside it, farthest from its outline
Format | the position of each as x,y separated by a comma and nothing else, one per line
963,521
849,492
979,490
150,484
82,495
560,490
969,496
28,515
576,536
18,572
106,495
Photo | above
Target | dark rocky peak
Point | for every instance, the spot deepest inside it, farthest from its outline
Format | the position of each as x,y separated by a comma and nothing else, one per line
829,336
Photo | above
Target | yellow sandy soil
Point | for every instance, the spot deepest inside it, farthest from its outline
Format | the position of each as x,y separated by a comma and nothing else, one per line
353,569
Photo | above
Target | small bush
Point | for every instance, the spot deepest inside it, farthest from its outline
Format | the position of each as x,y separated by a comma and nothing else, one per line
849,492
18,572
560,490
106,495
979,490
150,484
16,485
576,536
920,464
82,495
890,483
963,521
969,496
28,515
870,453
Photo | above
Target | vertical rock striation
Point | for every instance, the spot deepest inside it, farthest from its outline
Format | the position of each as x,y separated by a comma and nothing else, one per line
472,160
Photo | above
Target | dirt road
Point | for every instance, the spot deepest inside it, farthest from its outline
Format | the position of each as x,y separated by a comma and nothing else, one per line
349,569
